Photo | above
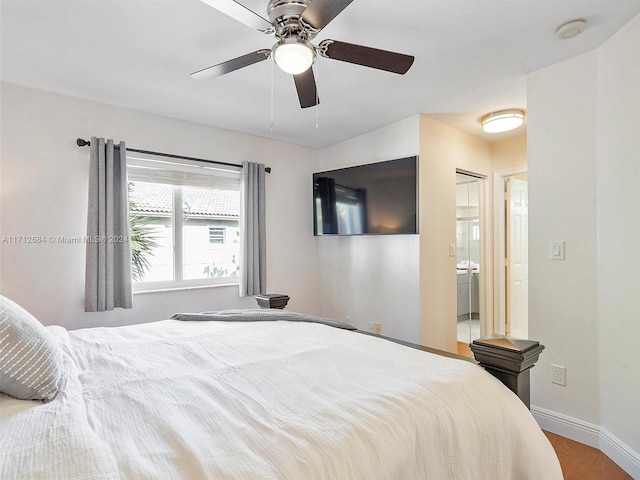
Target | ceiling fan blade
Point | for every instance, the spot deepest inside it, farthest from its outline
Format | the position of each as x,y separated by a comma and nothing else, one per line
366,56
242,14
231,65
320,13
306,87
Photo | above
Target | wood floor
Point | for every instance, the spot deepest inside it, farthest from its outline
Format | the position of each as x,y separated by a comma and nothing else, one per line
578,461
581,462
464,350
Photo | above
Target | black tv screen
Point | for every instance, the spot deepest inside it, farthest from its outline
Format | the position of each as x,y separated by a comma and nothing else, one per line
377,198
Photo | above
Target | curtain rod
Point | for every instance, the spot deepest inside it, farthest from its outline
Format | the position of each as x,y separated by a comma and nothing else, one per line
84,143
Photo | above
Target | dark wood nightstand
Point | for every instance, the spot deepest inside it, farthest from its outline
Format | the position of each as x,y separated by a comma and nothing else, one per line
509,360
272,300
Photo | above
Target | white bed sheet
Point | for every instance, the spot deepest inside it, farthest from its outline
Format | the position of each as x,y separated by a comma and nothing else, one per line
282,400
52,440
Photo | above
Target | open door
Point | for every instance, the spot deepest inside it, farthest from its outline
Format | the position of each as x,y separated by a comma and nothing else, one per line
517,258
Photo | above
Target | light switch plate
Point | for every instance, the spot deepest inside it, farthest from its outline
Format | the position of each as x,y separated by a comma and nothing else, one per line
556,250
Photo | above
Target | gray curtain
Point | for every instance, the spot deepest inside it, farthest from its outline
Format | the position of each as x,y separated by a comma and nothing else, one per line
108,267
253,251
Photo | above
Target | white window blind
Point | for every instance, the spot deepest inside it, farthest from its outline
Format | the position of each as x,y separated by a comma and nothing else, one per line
156,170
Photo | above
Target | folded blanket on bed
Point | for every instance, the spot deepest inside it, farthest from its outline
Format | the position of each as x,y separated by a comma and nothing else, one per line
260,315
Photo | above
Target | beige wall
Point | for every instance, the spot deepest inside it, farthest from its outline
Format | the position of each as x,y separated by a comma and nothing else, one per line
508,156
443,150
509,153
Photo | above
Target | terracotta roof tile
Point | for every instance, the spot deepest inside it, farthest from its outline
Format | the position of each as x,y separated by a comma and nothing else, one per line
156,198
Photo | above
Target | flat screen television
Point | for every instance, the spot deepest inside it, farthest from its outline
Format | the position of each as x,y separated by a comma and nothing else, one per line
373,199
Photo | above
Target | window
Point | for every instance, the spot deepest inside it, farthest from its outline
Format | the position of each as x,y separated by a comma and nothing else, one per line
349,216
185,224
216,234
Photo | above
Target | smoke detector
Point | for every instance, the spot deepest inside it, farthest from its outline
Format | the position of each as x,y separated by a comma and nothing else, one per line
571,29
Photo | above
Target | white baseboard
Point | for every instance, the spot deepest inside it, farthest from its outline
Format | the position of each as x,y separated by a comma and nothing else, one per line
621,453
592,435
578,430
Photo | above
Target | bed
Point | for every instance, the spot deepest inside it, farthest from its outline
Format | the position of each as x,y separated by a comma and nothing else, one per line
264,394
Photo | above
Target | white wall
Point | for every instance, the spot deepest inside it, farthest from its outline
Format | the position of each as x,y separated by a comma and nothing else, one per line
583,144
562,206
372,278
43,192
618,213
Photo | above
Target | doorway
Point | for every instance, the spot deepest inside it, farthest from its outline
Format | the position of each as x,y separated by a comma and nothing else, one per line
468,257
512,257
517,242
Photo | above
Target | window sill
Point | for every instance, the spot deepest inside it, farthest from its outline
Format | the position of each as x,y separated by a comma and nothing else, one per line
179,289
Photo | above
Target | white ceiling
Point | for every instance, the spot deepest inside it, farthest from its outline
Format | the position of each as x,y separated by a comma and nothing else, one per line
472,57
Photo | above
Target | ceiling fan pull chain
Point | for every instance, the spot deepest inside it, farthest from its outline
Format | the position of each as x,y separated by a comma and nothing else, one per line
317,100
271,125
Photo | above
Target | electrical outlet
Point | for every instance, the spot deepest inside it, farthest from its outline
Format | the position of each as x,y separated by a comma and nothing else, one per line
377,328
347,319
371,324
559,375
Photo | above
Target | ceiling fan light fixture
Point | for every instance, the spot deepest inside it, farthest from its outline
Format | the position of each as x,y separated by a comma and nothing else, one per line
293,55
502,121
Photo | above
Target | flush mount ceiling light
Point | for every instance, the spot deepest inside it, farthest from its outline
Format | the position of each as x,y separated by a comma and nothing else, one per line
571,29
294,55
502,121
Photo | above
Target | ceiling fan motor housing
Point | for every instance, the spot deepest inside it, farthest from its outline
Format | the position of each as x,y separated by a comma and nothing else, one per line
285,15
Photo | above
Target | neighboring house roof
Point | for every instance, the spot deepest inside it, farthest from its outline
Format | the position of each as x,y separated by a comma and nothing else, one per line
155,199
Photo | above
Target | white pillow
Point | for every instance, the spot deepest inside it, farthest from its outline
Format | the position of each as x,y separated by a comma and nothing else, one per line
30,358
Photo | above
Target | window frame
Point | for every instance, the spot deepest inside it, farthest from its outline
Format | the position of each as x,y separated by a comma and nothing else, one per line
187,174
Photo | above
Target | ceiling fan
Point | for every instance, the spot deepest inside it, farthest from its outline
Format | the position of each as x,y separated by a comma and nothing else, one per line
295,23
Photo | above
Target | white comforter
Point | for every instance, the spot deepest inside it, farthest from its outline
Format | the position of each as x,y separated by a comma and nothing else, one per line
267,400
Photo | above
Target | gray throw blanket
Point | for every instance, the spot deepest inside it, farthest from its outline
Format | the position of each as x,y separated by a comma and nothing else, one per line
259,315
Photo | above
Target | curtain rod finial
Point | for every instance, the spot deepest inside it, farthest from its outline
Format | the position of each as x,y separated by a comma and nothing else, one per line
82,142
